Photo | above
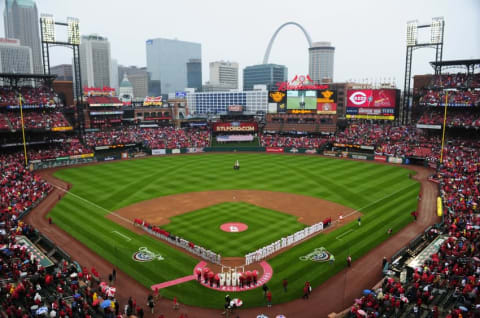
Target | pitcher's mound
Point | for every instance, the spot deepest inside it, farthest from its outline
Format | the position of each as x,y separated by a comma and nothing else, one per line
234,227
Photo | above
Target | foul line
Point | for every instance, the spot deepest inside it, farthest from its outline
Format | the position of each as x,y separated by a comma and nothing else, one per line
374,202
126,237
351,230
94,204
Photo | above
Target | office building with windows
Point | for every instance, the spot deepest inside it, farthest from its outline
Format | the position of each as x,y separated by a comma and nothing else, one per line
224,74
95,61
21,22
218,102
321,58
15,58
194,74
264,74
167,62
63,72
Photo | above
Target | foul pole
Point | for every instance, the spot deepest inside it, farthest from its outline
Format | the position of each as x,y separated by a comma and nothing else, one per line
23,130
444,122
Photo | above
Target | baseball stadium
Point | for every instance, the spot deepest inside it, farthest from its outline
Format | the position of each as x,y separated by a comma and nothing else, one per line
318,200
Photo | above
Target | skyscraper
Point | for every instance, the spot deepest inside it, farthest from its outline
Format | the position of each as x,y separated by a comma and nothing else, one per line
167,62
15,58
320,66
95,61
114,80
21,22
266,74
194,74
63,71
224,74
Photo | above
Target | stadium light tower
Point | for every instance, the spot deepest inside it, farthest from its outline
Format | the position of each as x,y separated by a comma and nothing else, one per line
47,30
437,27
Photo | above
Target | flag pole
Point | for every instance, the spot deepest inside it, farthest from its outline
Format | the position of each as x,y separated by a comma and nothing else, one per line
444,124
23,131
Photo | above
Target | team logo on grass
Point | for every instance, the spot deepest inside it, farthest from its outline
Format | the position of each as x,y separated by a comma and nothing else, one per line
144,255
318,255
234,227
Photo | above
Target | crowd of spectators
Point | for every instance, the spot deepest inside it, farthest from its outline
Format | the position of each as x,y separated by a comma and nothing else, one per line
38,96
292,142
69,147
153,138
454,118
455,98
458,80
19,188
37,120
448,282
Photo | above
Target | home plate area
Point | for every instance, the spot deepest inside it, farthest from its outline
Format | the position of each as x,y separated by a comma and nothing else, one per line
233,279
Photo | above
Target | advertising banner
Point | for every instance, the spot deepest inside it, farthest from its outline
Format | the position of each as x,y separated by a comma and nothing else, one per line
194,150
180,94
274,149
329,153
279,100
359,157
380,158
157,152
67,128
429,126
235,108
380,117
311,151
372,98
235,127
327,96
175,151
395,160
152,101
326,108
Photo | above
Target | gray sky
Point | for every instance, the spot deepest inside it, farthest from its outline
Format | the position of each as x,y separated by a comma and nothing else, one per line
369,36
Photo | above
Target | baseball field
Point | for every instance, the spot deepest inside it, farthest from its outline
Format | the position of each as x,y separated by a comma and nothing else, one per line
168,187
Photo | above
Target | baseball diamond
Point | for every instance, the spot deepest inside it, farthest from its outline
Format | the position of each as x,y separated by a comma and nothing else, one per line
383,194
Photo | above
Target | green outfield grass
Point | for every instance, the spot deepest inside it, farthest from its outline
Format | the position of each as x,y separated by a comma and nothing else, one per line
384,194
264,227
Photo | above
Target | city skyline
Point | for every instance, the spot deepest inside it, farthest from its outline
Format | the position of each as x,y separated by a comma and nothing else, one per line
369,37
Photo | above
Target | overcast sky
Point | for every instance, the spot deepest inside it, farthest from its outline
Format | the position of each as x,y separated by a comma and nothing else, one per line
369,36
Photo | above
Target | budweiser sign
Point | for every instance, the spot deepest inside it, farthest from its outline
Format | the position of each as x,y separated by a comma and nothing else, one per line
300,83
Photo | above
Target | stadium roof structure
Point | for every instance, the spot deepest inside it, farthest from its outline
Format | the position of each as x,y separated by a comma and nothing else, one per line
470,64
13,79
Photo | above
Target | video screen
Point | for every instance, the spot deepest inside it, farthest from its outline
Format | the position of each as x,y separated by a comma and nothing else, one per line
302,100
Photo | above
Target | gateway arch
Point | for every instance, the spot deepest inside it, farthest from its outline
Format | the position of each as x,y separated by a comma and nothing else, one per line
269,47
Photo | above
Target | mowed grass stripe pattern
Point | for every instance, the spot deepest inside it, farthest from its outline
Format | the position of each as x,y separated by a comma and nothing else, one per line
372,189
264,227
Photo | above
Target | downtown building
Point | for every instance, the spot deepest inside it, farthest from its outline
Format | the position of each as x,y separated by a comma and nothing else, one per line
63,72
217,102
223,76
138,78
321,58
21,22
95,61
167,62
194,74
264,74
15,58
